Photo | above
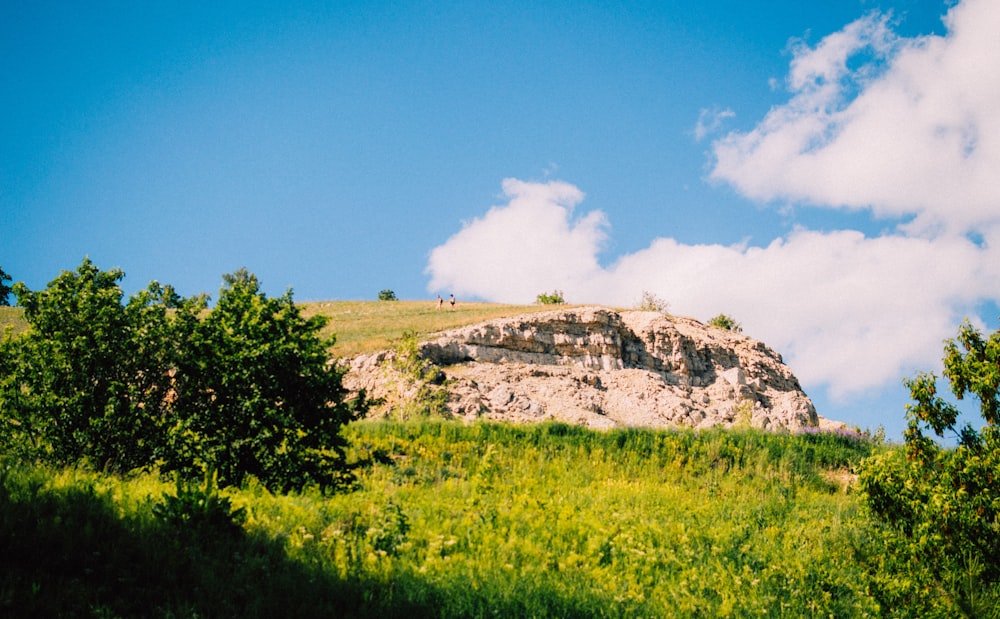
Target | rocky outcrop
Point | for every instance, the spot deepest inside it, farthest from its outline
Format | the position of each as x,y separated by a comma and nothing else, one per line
601,368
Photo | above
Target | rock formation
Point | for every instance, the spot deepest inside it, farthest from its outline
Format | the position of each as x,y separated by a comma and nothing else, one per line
601,368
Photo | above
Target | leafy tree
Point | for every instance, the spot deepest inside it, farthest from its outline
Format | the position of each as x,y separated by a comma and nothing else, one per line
387,295
5,290
88,381
551,298
258,395
938,509
723,321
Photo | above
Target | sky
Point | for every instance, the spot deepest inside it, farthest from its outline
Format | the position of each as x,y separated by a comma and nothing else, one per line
825,173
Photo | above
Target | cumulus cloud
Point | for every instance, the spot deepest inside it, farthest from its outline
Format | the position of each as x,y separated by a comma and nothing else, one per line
530,245
913,134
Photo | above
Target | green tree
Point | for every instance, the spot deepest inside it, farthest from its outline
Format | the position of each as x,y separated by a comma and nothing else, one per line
5,290
258,395
89,380
937,508
387,295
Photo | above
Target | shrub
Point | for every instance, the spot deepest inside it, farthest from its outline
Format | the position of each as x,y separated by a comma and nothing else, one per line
247,390
257,395
936,509
387,295
723,321
649,302
89,380
551,298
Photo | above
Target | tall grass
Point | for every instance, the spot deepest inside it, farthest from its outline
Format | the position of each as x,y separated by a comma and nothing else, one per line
465,521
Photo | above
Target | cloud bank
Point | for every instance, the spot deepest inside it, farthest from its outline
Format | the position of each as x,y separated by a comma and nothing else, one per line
911,133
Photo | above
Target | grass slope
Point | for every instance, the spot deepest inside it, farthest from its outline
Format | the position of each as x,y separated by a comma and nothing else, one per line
367,326
463,521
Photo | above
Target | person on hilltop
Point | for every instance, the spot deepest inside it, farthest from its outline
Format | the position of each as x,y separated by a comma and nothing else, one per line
440,302
452,302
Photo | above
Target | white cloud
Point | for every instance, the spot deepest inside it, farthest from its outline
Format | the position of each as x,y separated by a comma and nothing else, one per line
914,133
528,246
848,312
709,121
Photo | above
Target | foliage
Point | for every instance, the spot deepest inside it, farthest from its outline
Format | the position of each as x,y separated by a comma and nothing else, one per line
649,302
726,322
936,509
387,295
5,290
477,520
246,390
200,510
550,298
88,381
420,385
257,395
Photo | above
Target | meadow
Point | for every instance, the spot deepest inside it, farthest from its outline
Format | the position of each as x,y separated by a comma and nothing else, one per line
449,519
457,520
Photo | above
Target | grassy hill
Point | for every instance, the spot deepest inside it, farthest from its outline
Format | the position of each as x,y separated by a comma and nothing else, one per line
366,326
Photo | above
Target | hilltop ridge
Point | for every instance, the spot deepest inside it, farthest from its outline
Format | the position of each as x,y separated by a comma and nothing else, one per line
601,368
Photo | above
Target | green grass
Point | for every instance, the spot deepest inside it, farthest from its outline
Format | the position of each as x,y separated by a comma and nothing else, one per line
368,326
465,521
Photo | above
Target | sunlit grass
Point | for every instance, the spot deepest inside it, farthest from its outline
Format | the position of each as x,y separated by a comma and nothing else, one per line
464,520
367,326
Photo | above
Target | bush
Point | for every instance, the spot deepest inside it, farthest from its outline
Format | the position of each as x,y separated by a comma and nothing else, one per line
258,396
89,381
550,298
649,302
723,321
387,295
247,390
936,510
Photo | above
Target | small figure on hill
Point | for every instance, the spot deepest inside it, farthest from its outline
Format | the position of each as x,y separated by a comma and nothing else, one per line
440,302
452,301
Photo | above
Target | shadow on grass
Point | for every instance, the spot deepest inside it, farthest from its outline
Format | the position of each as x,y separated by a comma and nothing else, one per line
70,553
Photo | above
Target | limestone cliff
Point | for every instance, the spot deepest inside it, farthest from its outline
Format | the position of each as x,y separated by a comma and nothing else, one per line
602,368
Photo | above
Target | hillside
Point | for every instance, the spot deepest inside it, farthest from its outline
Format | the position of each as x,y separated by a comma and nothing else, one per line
591,366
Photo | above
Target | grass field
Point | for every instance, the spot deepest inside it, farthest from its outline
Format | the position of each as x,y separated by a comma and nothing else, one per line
455,520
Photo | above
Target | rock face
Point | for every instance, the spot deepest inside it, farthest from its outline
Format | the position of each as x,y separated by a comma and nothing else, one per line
602,368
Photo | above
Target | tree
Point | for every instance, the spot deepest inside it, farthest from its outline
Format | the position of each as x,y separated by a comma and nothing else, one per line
5,290
259,396
937,510
88,381
387,295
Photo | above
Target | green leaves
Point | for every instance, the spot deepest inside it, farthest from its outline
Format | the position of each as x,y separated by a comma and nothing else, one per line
937,510
248,389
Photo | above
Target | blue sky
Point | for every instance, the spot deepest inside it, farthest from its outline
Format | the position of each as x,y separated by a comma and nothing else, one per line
824,172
